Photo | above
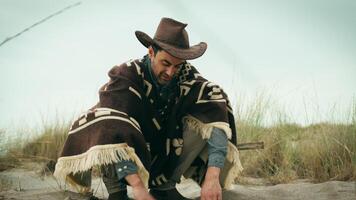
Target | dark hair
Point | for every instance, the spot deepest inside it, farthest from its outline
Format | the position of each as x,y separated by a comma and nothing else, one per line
156,48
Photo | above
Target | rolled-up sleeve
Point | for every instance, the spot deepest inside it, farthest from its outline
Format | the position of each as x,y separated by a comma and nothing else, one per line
124,168
217,148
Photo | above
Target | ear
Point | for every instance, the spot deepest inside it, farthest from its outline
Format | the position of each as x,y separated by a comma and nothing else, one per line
150,52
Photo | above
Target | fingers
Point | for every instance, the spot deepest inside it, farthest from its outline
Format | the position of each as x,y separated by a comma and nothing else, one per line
220,195
211,195
211,189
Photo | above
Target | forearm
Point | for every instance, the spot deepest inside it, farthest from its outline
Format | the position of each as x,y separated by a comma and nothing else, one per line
130,174
217,148
134,180
128,169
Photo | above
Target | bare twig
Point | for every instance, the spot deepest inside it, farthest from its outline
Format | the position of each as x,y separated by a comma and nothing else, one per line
250,146
39,22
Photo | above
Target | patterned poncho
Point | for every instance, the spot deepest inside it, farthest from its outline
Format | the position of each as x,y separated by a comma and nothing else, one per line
127,124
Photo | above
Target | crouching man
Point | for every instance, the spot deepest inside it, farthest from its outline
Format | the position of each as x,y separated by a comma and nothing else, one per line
157,120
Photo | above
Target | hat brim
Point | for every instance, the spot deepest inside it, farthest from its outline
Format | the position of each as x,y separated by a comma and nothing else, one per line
185,54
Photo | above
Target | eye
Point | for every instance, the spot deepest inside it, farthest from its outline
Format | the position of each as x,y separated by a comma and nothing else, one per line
165,64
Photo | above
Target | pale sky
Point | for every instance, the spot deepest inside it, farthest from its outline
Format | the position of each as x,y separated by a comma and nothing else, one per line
301,54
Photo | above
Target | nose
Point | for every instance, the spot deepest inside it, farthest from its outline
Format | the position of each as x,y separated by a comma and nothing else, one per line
170,71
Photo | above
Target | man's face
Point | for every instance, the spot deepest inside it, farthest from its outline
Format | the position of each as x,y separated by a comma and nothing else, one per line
164,66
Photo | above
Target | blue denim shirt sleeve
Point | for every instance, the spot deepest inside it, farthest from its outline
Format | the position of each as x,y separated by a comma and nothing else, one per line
124,168
217,148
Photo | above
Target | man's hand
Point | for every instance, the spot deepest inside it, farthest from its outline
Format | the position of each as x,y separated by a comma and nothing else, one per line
138,188
211,189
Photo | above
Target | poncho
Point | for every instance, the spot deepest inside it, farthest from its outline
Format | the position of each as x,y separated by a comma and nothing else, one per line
126,125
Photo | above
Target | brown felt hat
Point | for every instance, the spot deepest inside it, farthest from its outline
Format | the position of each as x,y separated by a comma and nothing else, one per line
172,37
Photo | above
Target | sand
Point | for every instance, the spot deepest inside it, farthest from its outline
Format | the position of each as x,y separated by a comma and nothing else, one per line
27,183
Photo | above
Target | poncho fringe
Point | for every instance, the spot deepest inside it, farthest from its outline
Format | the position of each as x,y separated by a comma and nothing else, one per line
97,156
205,130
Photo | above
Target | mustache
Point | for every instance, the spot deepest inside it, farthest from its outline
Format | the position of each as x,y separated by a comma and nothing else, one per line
166,76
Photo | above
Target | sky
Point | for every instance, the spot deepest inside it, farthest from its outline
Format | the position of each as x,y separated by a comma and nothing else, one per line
299,55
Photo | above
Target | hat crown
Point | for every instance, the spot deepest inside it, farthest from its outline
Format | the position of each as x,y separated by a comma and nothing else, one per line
172,37
172,32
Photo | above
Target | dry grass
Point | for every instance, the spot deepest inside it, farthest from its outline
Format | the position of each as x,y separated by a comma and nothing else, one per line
321,152
44,146
48,144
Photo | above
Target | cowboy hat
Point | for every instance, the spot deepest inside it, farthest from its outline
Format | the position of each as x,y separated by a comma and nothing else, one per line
172,37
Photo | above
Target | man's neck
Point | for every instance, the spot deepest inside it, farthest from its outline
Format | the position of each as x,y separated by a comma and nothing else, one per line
150,72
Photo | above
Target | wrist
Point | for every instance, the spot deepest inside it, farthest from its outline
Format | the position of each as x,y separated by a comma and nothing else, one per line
212,173
134,180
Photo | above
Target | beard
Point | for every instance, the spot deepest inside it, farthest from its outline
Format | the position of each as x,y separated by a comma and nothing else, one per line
161,77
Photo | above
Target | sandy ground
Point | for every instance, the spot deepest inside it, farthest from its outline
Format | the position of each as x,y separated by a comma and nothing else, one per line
26,183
